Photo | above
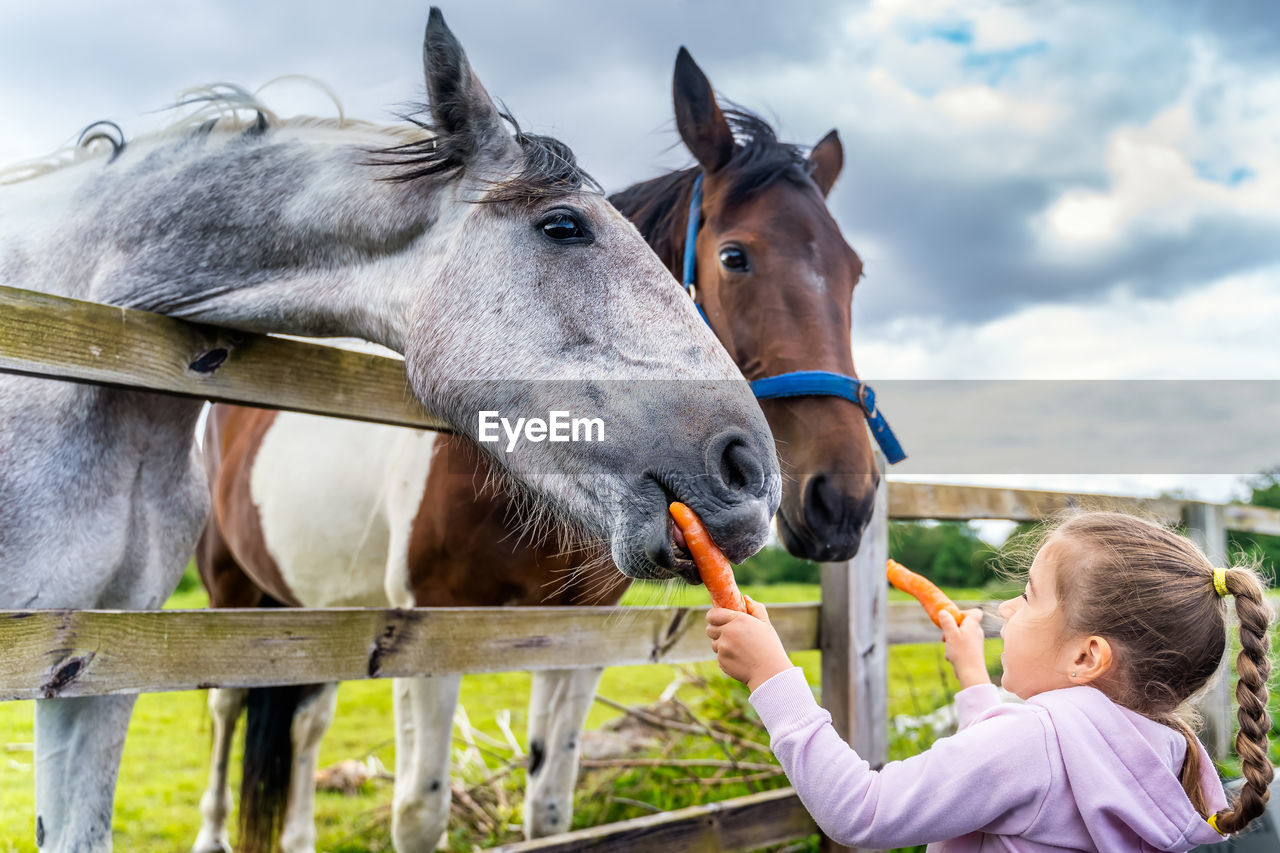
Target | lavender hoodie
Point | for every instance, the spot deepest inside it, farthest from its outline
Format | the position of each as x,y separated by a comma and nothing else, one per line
1067,770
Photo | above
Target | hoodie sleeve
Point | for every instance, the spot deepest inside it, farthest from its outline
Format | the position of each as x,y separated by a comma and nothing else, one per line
972,702
991,776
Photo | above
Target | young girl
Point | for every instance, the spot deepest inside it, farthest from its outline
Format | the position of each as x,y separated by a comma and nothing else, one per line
1121,621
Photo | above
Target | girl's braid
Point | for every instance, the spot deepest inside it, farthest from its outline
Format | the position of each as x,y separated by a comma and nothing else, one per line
1253,666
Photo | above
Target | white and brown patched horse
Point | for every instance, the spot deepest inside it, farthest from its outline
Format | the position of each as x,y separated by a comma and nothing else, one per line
480,253
321,512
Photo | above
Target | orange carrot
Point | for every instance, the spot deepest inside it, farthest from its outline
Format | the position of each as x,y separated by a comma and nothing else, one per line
934,600
713,567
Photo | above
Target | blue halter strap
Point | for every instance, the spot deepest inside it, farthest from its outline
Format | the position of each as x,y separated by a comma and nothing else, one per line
799,383
691,246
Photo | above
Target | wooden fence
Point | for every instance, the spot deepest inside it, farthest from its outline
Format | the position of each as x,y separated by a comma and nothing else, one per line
85,653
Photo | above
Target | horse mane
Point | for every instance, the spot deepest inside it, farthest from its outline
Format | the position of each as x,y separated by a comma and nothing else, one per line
548,167
224,107
659,207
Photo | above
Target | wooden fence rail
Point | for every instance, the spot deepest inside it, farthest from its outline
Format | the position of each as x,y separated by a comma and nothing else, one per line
743,823
969,503
59,338
65,653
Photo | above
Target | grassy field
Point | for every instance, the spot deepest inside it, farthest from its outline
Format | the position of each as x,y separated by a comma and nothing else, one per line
166,756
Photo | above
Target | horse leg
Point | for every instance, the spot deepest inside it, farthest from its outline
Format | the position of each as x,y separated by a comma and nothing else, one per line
310,722
79,742
558,706
424,729
225,704
78,747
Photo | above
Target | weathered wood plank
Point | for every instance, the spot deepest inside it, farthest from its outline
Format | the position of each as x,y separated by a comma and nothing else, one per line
854,641
963,503
95,652
59,338
743,823
907,622
1252,519
82,653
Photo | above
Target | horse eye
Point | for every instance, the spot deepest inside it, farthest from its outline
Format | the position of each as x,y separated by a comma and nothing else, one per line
563,226
733,258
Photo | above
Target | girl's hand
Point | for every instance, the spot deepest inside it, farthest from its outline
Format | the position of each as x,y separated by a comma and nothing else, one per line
746,645
965,644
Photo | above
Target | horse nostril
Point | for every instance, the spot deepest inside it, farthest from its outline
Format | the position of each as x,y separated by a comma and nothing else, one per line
823,504
732,470
736,466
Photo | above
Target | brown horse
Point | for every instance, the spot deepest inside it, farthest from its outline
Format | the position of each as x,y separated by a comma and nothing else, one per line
322,512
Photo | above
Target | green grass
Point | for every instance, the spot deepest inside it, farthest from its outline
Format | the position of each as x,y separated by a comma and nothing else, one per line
166,755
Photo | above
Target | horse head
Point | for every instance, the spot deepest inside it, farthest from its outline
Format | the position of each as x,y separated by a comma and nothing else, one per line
775,278
541,297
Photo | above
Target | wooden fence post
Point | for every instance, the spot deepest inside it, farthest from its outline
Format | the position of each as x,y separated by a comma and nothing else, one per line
854,640
1207,528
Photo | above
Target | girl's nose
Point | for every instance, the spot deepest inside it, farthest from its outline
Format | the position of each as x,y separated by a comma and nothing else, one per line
1006,608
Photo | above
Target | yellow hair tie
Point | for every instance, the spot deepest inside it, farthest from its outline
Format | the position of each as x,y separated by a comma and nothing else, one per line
1213,821
1220,582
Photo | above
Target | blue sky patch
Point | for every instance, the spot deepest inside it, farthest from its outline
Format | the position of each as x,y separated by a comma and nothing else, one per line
996,65
1222,173
961,33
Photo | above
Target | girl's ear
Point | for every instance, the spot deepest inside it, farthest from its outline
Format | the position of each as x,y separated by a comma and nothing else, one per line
1091,659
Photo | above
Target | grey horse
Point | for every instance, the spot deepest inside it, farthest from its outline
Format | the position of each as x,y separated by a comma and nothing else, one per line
483,254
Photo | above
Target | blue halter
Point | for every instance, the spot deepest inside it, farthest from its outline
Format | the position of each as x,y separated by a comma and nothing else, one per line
799,383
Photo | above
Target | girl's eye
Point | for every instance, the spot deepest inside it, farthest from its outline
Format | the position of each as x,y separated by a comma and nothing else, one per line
1024,597
563,227
733,258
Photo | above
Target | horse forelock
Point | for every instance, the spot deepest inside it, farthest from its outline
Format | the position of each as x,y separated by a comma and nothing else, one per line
658,206
759,158
546,167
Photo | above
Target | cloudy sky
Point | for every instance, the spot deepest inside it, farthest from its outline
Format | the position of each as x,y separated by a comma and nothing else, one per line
1039,190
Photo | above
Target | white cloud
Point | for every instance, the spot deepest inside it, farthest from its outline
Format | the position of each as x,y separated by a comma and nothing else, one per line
1224,330
1001,27
983,104
885,15
1167,175
1154,186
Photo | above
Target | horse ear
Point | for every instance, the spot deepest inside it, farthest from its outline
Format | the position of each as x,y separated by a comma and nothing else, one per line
698,118
825,161
460,106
